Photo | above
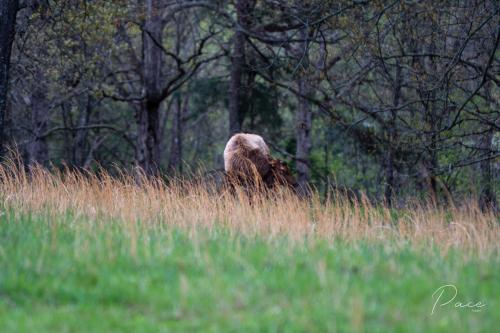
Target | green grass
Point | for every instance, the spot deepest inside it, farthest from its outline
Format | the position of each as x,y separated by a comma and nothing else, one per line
68,274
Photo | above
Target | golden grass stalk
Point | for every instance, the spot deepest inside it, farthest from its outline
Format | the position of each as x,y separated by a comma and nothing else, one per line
99,198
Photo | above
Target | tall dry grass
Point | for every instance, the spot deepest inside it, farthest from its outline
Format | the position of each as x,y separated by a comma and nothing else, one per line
101,198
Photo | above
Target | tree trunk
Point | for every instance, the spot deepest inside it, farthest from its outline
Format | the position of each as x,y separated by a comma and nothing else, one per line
79,151
431,162
148,139
237,63
303,119
303,135
148,117
389,171
487,197
431,118
244,9
8,12
37,148
180,109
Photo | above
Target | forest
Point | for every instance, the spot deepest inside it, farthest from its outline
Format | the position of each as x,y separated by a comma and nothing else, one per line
394,99
129,204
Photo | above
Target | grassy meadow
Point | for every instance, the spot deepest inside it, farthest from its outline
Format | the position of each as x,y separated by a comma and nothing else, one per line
87,253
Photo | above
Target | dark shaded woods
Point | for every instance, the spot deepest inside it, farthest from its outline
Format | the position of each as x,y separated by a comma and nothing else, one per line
396,99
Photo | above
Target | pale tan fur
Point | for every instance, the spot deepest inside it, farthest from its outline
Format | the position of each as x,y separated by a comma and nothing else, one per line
241,145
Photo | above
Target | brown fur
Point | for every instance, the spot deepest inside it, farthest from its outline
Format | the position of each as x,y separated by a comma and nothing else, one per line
279,175
248,163
246,160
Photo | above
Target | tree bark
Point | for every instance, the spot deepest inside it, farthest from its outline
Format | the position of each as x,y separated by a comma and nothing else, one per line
180,109
37,148
244,10
431,118
8,12
487,197
237,63
148,117
389,172
303,119
303,135
80,136
431,162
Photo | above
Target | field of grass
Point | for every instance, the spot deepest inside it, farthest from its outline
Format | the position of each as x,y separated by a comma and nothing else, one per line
96,254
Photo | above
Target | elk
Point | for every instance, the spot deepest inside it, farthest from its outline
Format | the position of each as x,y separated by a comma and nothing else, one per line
248,162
